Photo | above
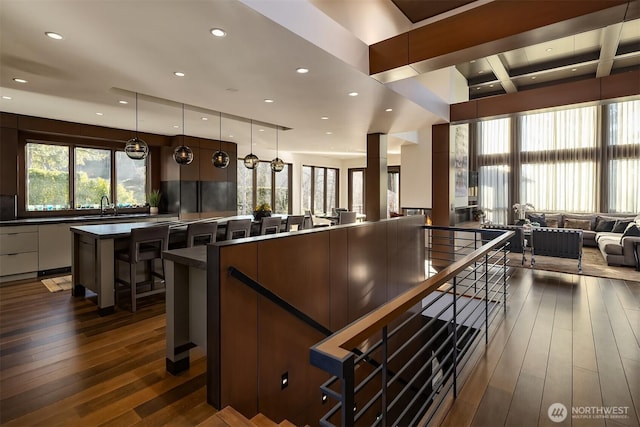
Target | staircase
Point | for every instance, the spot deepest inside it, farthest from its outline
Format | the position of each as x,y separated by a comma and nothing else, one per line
232,418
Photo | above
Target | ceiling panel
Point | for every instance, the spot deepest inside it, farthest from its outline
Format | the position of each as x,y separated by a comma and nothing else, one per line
557,75
417,11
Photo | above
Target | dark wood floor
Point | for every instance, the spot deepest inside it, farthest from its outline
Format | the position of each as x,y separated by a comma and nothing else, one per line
566,338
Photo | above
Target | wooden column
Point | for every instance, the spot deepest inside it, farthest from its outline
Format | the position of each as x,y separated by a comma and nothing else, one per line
375,187
442,182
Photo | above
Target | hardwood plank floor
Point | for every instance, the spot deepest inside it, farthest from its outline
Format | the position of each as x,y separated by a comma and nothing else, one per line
564,338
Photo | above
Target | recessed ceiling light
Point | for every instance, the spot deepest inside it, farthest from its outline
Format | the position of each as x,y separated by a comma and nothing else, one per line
353,93
17,80
176,126
473,61
53,35
302,70
99,114
388,110
329,133
122,101
478,88
533,78
574,69
6,97
230,136
481,72
324,118
205,118
260,130
548,49
268,101
490,85
179,74
218,32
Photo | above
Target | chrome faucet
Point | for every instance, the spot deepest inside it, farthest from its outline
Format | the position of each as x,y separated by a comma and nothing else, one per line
103,208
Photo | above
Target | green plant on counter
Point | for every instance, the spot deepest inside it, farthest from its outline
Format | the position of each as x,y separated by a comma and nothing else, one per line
263,207
154,198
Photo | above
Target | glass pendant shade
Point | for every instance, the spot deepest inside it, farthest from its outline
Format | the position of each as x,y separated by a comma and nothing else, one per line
183,155
220,159
136,149
251,161
277,164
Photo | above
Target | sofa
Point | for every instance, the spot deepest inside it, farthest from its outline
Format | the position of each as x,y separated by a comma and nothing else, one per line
617,236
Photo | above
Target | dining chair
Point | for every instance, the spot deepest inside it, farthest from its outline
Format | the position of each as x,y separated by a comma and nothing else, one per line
238,228
294,221
146,245
270,225
201,233
346,217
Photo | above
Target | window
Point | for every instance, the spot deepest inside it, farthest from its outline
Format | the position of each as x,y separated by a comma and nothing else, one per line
320,189
92,177
493,169
623,152
54,172
47,186
262,185
559,160
356,190
393,190
131,179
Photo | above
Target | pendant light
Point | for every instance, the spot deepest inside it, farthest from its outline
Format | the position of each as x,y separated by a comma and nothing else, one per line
136,148
183,155
220,158
251,160
277,165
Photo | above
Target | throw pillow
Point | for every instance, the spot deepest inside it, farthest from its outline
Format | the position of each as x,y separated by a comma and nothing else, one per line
605,225
540,219
631,230
553,223
581,224
620,226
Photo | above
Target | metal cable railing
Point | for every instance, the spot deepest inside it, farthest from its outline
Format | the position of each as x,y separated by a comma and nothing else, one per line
421,340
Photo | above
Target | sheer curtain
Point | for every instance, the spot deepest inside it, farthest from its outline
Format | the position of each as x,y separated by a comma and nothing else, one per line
493,169
559,154
623,152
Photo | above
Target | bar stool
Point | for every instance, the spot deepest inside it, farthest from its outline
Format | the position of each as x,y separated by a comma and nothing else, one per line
270,225
201,233
297,220
145,245
238,228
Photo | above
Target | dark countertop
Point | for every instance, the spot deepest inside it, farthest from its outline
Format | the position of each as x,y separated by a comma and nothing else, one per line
192,257
81,218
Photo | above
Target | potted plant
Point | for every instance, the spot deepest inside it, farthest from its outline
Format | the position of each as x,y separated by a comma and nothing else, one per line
262,210
154,201
478,215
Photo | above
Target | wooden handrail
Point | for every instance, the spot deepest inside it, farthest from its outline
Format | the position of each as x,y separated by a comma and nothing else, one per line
338,345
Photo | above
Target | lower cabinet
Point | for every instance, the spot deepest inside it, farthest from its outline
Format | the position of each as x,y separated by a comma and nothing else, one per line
54,247
18,252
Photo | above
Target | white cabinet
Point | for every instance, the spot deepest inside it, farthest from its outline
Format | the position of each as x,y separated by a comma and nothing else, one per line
18,252
54,246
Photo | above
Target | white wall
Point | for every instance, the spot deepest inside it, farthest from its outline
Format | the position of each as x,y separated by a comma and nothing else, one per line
415,172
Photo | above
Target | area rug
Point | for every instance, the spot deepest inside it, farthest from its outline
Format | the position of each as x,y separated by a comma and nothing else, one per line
593,264
57,284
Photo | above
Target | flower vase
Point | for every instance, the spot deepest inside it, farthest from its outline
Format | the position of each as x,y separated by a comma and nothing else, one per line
153,210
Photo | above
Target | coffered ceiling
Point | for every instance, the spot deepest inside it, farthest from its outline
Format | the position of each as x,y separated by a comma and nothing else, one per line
113,50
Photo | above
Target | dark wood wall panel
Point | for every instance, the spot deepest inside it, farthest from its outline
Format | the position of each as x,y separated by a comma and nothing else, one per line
330,274
441,183
232,330
367,268
339,278
490,29
8,163
546,97
591,90
298,270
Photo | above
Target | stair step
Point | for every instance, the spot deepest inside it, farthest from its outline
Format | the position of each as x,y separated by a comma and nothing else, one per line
286,423
262,420
227,417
